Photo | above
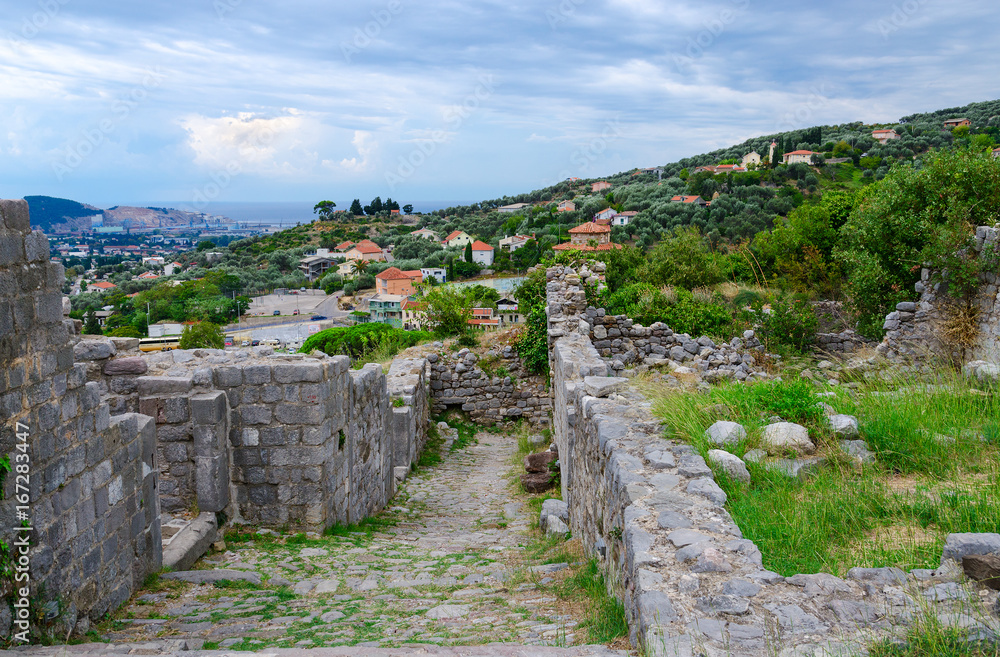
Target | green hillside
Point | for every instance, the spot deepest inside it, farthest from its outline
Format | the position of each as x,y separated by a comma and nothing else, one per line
47,212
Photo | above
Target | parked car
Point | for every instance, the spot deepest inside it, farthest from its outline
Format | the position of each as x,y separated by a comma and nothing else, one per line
245,343
255,343
295,312
316,318
276,312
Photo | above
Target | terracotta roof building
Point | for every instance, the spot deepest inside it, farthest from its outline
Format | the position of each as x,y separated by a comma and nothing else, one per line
394,281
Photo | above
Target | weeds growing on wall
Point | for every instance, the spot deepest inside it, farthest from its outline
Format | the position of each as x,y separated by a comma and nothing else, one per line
936,470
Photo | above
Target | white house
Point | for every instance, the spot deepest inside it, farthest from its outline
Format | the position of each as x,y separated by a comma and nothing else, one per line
605,215
440,274
458,238
514,207
623,218
514,242
482,253
753,157
795,157
426,234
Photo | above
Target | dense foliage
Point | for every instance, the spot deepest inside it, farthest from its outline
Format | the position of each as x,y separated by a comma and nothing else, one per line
362,340
202,335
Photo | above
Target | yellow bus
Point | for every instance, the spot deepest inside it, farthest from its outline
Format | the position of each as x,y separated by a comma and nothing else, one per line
165,343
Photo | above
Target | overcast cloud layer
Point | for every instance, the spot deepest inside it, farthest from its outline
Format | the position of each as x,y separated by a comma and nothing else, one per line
240,100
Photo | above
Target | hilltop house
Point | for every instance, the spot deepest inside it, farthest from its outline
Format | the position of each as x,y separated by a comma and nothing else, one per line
582,235
954,123
566,206
514,242
882,136
393,281
440,274
172,268
426,234
697,200
599,186
605,215
314,266
483,319
508,312
365,250
482,253
514,207
709,168
387,309
753,157
623,218
796,157
458,238
103,285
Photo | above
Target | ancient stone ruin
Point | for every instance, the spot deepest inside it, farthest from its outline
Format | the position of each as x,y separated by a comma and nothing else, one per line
117,439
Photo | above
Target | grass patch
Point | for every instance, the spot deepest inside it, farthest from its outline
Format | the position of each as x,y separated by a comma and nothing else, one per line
606,621
929,637
936,470
431,456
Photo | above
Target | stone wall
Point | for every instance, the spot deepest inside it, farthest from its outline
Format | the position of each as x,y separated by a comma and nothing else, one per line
92,478
913,329
459,380
308,441
689,581
628,346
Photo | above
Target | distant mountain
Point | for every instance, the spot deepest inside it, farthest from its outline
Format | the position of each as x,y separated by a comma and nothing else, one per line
58,214
62,215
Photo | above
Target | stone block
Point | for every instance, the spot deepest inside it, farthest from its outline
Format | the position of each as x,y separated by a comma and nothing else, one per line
256,414
298,372
209,408
157,386
299,414
134,365
15,215
212,482
90,349
228,377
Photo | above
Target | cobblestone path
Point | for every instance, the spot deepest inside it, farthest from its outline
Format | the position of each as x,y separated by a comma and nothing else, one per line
443,566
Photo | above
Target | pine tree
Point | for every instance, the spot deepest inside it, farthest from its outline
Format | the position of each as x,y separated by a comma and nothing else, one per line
91,326
356,208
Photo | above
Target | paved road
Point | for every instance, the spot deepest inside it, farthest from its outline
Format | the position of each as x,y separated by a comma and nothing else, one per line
446,568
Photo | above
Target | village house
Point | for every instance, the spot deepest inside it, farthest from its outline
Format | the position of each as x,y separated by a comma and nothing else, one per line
882,136
172,268
343,247
797,157
605,215
623,218
347,269
954,123
314,266
696,200
365,250
393,281
599,186
514,207
566,206
414,315
507,308
582,236
482,253
996,152
387,309
426,234
483,319
103,285
458,238
514,242
729,168
439,274
753,157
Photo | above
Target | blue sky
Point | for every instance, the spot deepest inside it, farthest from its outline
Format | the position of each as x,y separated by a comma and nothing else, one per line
252,100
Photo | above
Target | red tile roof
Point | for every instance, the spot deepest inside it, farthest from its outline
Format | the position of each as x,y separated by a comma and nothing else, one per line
414,273
367,246
589,228
453,235
104,285
344,246
481,246
800,153
392,274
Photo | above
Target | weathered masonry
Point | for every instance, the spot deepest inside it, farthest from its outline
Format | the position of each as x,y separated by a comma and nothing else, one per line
272,440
